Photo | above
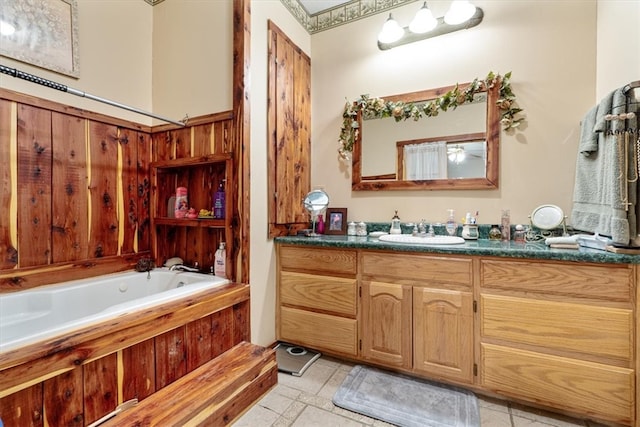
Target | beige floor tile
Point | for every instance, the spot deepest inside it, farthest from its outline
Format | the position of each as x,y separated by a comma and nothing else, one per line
317,401
544,417
353,415
315,417
306,401
313,379
544,421
492,418
332,385
257,416
286,391
493,404
276,402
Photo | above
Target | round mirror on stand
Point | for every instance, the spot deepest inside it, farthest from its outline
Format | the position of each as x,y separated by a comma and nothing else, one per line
316,203
547,218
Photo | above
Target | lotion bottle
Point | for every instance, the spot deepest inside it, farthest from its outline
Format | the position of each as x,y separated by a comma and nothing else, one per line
220,259
320,226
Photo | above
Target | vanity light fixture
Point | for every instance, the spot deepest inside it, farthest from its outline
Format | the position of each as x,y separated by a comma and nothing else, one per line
460,16
424,21
459,12
391,31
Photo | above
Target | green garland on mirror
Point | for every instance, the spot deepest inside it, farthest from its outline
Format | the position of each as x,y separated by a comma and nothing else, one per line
379,108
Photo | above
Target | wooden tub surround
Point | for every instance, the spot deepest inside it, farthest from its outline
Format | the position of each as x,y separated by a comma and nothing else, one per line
554,334
78,378
212,395
84,194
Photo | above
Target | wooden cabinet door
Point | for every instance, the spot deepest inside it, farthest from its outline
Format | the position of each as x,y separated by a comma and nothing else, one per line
289,129
443,333
386,323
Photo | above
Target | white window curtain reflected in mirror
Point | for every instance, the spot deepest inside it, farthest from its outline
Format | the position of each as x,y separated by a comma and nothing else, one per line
426,161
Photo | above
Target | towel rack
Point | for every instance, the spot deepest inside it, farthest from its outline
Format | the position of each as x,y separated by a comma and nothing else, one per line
631,86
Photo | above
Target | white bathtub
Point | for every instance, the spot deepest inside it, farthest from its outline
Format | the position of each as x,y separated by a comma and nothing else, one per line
37,314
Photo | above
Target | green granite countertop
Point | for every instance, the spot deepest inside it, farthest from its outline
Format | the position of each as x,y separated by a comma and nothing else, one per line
485,247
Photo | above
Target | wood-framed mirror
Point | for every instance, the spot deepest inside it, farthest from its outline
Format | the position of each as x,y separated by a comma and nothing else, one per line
466,140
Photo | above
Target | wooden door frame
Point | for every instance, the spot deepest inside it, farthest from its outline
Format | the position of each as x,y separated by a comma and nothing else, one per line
242,136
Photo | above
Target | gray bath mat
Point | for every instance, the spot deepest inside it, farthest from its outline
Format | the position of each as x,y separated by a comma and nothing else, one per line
406,401
294,359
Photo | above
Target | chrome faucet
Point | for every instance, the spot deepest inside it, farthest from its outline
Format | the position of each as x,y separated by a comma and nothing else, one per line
182,267
422,228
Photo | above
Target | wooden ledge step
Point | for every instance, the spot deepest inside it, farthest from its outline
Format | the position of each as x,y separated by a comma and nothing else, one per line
214,394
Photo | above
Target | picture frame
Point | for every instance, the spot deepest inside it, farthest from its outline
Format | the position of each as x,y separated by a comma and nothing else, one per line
336,221
44,34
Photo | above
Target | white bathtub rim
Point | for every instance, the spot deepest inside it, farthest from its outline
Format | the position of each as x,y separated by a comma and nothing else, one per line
113,312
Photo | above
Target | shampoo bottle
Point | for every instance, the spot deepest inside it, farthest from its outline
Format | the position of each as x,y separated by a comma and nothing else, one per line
220,259
218,202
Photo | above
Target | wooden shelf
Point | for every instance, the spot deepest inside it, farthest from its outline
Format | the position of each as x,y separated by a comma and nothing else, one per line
191,161
186,222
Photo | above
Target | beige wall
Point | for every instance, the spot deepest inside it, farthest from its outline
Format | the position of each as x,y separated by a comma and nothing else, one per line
618,36
554,75
192,57
115,60
262,274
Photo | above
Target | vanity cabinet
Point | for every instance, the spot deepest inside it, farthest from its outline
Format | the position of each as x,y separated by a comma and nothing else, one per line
317,299
418,313
560,335
194,240
386,323
551,333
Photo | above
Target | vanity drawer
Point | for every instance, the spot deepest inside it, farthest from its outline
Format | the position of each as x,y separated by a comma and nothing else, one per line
418,267
585,329
583,387
326,293
336,261
611,282
319,331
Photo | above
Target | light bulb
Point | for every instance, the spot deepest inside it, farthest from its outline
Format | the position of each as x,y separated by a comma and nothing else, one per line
391,31
459,12
424,21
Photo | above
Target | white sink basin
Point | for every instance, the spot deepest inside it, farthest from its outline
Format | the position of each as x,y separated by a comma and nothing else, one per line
418,240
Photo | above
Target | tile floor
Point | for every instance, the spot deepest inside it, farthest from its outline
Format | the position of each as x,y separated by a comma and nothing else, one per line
306,402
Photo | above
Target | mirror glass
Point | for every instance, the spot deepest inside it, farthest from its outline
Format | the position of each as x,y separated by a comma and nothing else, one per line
316,202
457,149
381,137
547,217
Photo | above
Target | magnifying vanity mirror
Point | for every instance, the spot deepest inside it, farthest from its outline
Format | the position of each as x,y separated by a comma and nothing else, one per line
547,218
457,149
315,202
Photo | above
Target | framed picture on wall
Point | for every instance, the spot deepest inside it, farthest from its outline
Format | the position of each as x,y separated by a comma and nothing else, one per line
336,222
43,33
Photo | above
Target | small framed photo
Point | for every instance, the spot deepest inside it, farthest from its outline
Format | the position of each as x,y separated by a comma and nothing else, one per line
336,222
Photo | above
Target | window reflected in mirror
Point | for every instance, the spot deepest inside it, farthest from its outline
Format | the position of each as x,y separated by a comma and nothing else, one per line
458,157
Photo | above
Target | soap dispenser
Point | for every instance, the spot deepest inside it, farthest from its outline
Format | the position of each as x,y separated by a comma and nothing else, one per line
451,226
395,225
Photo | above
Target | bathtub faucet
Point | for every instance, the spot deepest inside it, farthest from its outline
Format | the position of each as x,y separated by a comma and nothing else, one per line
182,267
